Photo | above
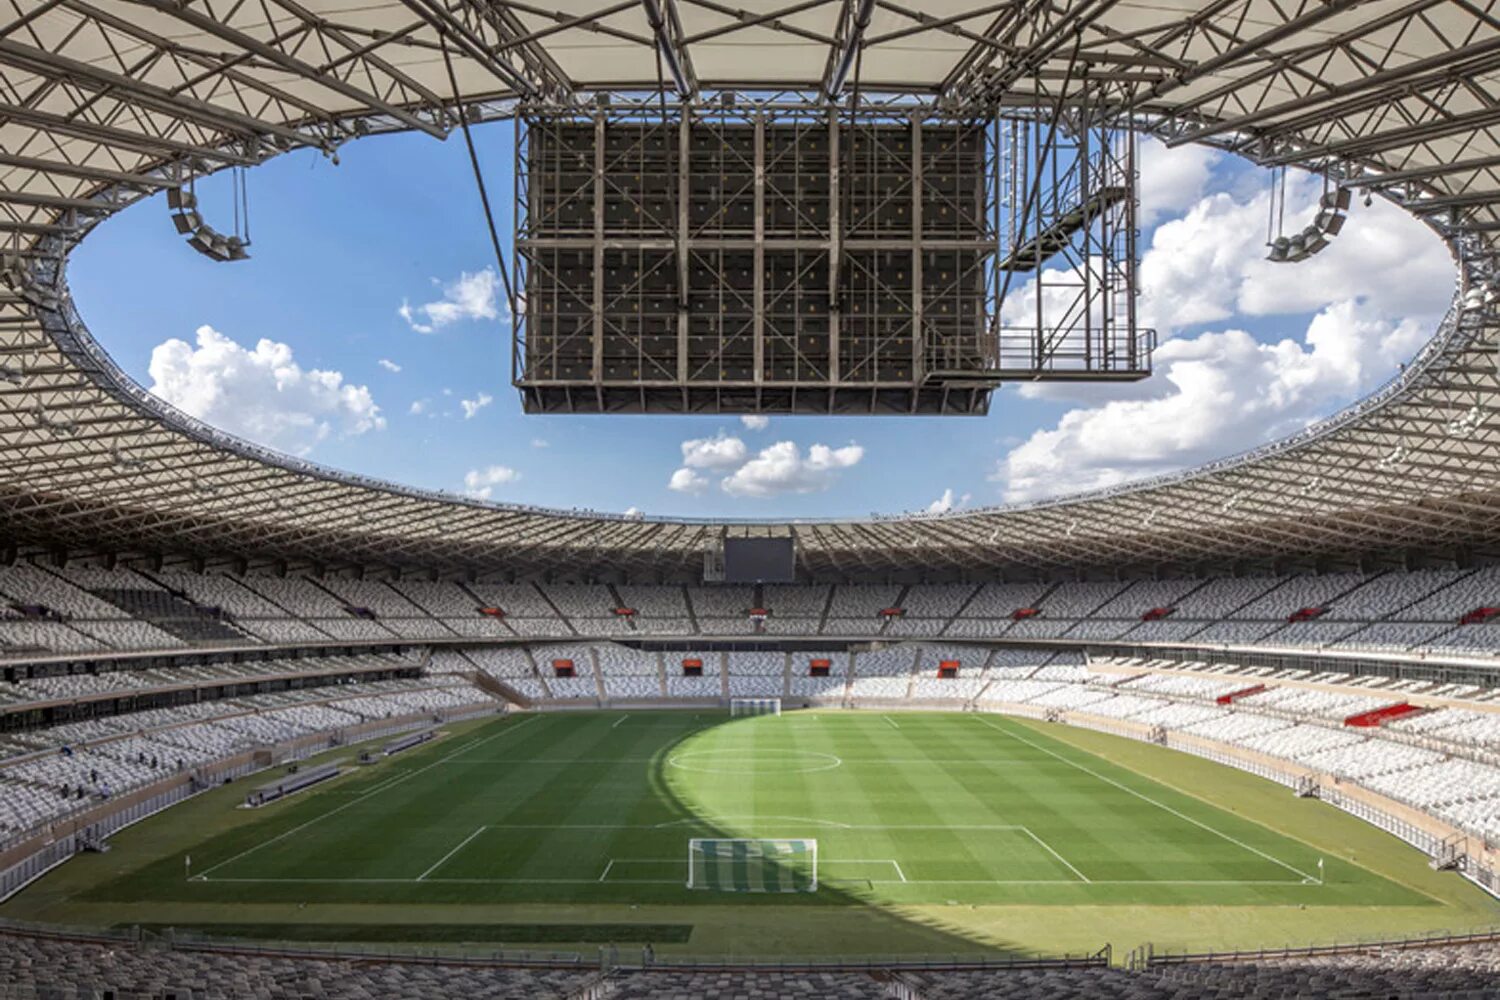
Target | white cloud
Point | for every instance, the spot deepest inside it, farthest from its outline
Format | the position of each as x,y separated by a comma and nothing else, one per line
480,483
634,513
687,481
1213,395
540,443
389,365
1171,179
1210,264
947,502
778,469
473,406
472,296
781,468
418,408
718,453
755,421
260,394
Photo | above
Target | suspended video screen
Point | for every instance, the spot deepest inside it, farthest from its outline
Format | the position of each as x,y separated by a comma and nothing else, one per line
760,560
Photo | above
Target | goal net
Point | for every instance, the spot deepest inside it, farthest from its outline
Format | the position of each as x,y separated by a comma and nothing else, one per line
745,865
754,706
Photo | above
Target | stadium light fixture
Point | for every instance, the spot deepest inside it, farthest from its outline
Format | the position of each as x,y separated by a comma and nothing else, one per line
205,238
184,206
57,427
1394,460
21,279
1465,425
1328,223
124,461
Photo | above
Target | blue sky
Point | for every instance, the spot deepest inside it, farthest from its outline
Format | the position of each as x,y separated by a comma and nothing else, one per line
1250,350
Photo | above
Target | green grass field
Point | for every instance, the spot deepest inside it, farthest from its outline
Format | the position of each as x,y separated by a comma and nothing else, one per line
935,832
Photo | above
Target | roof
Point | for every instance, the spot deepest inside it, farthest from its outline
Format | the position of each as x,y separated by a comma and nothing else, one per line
103,102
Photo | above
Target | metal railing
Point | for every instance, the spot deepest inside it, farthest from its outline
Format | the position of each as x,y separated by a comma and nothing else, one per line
1148,957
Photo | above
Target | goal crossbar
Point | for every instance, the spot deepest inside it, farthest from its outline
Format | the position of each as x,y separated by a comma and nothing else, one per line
754,706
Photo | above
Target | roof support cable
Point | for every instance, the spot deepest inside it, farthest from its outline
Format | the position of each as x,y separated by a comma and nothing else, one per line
854,45
666,47
484,197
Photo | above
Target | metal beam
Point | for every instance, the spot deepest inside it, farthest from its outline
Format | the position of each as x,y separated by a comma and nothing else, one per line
63,168
211,26
857,20
149,145
1388,178
1377,142
661,15
147,95
1399,81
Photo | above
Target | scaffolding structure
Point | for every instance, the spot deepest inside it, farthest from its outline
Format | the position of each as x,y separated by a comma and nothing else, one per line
743,257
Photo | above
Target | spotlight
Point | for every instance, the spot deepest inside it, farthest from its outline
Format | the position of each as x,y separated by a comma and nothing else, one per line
124,461
1314,239
184,206
1394,460
1328,223
1336,200
201,236
1465,425
20,279
57,427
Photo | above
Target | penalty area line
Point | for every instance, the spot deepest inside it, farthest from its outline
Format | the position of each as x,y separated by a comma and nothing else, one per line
1048,848
1146,798
461,845
821,878
356,801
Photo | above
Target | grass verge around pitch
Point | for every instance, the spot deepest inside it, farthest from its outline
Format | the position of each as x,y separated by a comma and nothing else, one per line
936,833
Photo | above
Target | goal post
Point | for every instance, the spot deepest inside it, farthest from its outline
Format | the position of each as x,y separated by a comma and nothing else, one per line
752,865
754,706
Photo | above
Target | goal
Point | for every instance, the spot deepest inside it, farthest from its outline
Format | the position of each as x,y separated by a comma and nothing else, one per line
750,865
754,706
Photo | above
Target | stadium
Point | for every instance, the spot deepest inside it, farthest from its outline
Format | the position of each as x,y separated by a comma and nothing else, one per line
1232,728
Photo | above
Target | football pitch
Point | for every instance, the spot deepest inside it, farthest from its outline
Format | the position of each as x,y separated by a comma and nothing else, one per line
590,815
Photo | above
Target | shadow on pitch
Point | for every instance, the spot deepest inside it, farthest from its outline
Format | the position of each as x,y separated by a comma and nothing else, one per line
757,865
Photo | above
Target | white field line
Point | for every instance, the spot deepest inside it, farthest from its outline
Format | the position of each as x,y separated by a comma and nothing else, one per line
461,845
987,827
605,874
383,785
736,818
355,801
1048,848
897,865
946,765
821,878
618,721
1146,798
892,721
